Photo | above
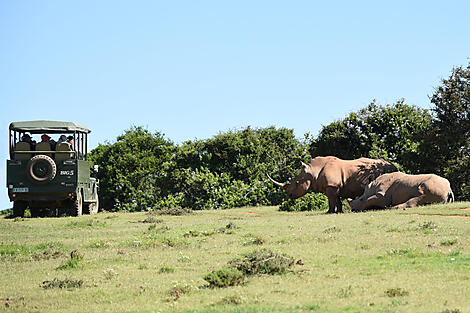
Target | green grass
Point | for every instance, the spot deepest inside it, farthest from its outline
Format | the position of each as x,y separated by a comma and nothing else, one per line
381,261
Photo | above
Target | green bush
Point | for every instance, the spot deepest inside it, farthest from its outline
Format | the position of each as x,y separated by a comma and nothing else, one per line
201,189
309,202
225,277
143,171
263,262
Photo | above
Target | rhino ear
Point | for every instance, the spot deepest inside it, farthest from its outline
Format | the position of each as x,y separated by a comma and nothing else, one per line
304,165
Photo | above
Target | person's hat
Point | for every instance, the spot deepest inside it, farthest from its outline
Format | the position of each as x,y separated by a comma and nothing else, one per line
45,137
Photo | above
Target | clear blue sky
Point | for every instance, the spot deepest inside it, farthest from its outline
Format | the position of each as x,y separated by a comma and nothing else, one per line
191,69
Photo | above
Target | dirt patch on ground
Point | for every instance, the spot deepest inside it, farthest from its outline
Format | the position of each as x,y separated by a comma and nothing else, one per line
466,209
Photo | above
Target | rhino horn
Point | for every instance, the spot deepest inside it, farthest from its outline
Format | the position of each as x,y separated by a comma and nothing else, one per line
276,183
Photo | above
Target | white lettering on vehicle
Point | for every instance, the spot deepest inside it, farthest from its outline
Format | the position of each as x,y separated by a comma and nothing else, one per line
67,173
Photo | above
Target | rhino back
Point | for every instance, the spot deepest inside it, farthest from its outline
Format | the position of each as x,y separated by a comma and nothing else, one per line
401,187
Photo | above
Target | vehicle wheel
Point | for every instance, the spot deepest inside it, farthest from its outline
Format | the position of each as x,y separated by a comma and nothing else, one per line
41,168
18,208
94,206
76,206
35,212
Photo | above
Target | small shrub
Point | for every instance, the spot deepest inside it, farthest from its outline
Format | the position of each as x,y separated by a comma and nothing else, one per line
152,220
172,242
396,292
62,283
180,289
331,230
166,269
184,258
225,277
309,202
233,300
196,233
428,226
109,273
409,252
263,262
75,261
449,242
47,255
143,267
451,311
252,239
228,229
345,292
160,230
99,244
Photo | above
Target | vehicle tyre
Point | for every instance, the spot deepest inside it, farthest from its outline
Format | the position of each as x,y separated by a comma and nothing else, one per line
76,206
94,206
41,168
36,212
19,207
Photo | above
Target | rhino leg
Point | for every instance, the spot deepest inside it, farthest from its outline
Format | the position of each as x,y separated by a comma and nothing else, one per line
333,200
376,201
411,203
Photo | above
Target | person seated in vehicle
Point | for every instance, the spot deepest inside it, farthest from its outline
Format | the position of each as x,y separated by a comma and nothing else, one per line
70,140
27,138
47,138
62,138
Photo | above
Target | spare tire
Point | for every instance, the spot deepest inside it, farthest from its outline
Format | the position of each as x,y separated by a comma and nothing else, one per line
41,168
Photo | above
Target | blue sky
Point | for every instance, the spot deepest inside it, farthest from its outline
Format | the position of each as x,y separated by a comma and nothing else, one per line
192,69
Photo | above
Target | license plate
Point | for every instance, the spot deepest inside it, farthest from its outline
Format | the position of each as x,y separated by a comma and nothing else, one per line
24,189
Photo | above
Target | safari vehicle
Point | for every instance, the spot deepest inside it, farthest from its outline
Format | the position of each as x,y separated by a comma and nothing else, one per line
50,178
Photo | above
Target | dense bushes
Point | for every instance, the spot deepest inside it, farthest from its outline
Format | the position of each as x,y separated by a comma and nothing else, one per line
143,171
310,202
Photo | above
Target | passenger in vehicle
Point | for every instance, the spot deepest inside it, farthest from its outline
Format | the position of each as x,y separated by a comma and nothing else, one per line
70,140
27,138
62,138
47,138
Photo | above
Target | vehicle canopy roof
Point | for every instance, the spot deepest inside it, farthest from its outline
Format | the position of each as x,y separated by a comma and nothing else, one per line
42,126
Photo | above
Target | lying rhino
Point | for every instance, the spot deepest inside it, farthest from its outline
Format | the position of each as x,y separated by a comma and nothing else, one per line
335,178
402,191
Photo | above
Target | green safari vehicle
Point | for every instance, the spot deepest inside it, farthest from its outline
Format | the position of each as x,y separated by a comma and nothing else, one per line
50,177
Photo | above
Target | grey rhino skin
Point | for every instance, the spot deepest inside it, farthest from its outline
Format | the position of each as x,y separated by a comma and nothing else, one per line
402,191
336,178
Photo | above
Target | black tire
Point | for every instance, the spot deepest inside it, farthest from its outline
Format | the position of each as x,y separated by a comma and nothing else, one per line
19,207
41,168
76,207
94,206
36,212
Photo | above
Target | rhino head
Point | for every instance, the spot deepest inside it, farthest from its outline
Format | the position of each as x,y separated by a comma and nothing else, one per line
297,187
359,204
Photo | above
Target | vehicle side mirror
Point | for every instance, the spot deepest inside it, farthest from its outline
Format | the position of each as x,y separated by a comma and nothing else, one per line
95,168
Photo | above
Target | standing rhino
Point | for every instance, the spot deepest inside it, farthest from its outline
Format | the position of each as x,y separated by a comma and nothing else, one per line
402,191
335,178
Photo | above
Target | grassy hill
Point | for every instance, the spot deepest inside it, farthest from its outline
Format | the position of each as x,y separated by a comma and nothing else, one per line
382,261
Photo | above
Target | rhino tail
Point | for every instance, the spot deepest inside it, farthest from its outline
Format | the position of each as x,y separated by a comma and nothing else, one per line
450,196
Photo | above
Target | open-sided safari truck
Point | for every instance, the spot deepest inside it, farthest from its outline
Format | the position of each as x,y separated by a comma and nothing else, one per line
52,176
